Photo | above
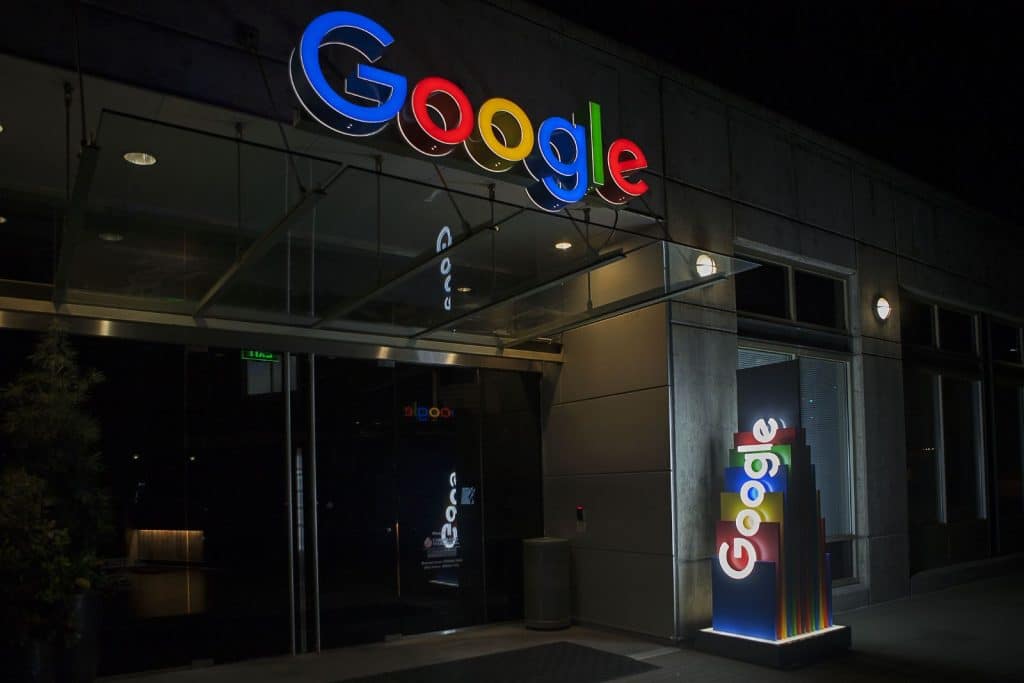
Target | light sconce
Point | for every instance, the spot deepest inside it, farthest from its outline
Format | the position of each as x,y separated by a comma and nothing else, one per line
883,309
705,265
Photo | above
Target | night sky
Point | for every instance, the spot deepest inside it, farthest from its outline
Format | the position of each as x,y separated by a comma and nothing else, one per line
929,87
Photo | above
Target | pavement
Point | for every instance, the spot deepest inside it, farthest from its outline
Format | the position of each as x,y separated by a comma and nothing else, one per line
970,632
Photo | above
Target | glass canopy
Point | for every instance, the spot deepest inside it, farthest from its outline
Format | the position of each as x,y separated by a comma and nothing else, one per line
383,244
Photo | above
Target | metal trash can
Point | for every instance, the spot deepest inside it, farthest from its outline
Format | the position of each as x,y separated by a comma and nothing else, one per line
546,586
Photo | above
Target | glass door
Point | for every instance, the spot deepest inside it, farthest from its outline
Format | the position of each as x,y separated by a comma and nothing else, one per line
357,486
398,470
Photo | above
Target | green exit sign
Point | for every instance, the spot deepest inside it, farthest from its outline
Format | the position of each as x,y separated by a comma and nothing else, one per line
261,356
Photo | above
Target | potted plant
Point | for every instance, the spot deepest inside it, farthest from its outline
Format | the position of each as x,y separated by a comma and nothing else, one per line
52,437
34,577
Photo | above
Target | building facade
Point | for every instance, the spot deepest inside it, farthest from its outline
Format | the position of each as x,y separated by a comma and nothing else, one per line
274,289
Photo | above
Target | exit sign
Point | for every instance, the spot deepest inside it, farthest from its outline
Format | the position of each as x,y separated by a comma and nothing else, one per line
261,356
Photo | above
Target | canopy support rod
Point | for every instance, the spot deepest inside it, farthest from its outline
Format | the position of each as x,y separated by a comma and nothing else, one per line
74,220
263,244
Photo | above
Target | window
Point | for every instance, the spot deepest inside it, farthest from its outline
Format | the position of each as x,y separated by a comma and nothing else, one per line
1009,425
916,322
763,291
825,416
780,291
819,300
920,397
961,451
956,331
1005,343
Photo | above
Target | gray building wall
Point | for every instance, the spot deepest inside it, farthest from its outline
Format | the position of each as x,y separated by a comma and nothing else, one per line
641,410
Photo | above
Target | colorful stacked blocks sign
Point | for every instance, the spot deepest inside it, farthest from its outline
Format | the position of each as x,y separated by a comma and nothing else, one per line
771,578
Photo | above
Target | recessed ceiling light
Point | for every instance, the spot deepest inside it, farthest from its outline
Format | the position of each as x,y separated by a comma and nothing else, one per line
111,236
563,245
463,290
140,158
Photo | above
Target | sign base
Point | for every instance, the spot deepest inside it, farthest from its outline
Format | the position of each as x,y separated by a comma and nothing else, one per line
788,653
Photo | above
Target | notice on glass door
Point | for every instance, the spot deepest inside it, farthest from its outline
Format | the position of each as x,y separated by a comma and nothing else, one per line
441,550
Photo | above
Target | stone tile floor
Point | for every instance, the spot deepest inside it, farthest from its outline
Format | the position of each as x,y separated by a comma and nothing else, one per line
971,632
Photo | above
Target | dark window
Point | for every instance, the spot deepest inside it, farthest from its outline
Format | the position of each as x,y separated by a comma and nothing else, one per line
819,300
916,323
960,448
763,291
1008,458
1005,343
956,331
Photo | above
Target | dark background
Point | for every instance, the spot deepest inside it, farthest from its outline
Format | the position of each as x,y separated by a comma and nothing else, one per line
929,87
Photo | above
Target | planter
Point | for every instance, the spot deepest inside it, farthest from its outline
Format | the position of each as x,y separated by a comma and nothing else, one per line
76,660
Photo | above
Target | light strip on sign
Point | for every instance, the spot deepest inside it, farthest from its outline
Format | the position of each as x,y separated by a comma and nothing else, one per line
564,157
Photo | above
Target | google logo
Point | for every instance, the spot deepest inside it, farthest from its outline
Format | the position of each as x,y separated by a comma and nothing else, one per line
423,413
435,117
758,461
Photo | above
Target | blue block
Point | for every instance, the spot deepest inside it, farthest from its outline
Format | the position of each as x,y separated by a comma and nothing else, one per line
746,607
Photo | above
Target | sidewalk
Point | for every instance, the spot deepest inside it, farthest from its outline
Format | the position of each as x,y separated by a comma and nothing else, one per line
965,633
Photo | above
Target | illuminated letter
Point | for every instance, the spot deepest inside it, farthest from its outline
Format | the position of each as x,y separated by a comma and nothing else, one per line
748,516
559,163
385,89
623,157
504,135
765,432
769,464
740,545
449,103
451,479
596,146
758,489
449,535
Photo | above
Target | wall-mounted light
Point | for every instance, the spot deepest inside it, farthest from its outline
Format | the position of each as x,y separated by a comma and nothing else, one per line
706,265
3,219
883,309
139,158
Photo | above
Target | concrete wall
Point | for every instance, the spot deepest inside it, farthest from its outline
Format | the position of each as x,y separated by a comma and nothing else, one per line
606,448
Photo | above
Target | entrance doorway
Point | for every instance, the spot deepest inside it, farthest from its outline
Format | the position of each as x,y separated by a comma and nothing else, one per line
428,479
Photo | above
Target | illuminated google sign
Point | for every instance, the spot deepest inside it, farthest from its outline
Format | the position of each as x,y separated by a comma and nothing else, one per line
436,116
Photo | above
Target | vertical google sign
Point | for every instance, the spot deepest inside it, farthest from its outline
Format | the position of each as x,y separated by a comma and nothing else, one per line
435,117
771,579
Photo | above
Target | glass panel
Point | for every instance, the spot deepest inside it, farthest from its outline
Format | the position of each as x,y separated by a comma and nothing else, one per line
960,418
1005,342
819,300
920,394
956,331
916,323
825,415
196,557
28,230
763,291
402,454
1008,423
